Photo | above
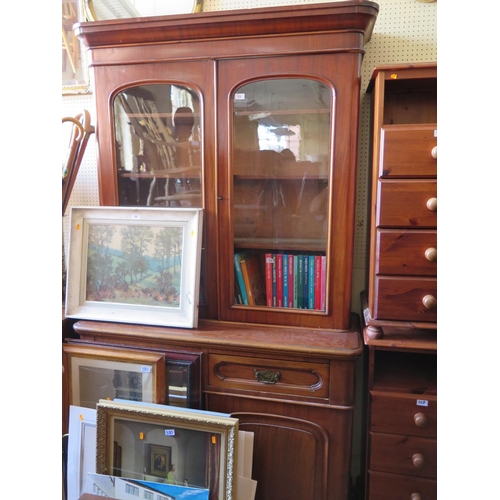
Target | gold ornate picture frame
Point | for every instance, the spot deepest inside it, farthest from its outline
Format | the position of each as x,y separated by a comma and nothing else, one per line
202,444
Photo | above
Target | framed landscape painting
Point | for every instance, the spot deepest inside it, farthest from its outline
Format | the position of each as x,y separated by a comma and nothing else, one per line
135,265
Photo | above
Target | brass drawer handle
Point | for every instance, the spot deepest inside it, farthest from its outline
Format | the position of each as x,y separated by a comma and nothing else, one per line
429,301
431,254
266,376
420,420
432,204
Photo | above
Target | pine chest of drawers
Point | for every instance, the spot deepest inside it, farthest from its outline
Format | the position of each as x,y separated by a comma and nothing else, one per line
400,308
401,459
403,242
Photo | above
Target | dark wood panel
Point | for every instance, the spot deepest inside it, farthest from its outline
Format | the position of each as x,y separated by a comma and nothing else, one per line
292,442
230,25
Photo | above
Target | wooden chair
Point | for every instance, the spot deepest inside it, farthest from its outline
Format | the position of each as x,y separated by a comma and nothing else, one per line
80,134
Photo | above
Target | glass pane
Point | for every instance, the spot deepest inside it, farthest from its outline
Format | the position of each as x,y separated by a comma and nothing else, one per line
178,384
158,150
280,166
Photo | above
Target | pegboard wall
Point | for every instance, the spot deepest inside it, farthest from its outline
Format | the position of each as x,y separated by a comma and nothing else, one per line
85,191
405,32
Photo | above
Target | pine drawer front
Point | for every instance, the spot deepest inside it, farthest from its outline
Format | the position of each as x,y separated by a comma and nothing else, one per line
406,299
411,204
408,151
402,454
279,377
404,414
408,253
383,486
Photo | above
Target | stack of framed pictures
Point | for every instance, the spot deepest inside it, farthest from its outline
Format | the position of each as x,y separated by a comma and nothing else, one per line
160,451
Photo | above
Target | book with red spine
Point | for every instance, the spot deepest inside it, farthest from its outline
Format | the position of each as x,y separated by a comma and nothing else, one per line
323,283
317,282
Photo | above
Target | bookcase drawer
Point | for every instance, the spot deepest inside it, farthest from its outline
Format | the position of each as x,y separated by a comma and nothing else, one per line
407,151
410,253
384,486
406,299
402,454
261,375
400,414
411,204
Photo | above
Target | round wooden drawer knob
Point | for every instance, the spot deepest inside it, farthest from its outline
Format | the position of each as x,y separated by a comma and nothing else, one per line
416,496
432,204
429,302
420,420
434,152
431,254
418,460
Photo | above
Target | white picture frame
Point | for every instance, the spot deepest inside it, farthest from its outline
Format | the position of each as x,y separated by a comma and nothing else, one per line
81,449
135,265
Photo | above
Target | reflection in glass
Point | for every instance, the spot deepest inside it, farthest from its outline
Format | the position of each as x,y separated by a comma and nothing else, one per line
157,132
178,375
158,149
281,154
193,453
280,166
95,383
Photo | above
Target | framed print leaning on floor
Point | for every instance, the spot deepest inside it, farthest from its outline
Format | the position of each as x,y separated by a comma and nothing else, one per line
97,372
201,446
135,265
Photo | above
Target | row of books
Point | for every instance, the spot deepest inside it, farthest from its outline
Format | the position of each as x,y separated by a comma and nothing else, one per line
249,285
290,280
